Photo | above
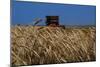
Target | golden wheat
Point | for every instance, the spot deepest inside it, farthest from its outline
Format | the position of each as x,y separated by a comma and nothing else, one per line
47,45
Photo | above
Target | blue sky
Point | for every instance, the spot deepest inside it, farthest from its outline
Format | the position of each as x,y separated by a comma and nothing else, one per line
26,12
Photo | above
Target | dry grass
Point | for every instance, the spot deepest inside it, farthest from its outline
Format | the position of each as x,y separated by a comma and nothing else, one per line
37,45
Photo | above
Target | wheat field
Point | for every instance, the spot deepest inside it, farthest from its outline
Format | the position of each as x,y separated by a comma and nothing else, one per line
33,45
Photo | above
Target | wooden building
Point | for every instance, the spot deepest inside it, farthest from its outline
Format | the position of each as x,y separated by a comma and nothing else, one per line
52,21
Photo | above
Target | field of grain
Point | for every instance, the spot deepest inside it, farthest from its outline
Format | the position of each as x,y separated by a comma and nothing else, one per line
32,45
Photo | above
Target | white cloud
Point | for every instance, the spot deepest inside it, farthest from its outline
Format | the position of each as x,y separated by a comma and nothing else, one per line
82,2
